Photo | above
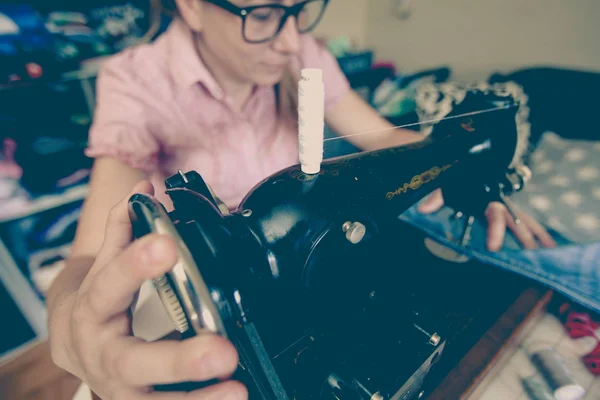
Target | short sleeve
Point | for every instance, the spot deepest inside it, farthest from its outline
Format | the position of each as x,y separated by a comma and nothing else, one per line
314,55
120,124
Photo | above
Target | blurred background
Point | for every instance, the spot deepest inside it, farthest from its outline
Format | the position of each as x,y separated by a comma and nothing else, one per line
409,58
475,38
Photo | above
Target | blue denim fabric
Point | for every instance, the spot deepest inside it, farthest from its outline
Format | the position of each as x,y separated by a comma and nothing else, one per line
571,269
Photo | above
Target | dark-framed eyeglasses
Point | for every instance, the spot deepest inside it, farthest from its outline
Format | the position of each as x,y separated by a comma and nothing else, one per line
262,23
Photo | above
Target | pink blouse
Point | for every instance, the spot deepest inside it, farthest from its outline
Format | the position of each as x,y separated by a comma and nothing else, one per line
159,110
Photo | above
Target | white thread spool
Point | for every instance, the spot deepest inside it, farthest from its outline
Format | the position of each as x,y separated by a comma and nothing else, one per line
311,119
559,378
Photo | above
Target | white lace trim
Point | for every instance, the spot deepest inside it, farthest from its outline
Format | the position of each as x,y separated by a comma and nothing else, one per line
434,101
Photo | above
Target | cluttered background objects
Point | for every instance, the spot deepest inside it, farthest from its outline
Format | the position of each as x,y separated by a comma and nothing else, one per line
50,52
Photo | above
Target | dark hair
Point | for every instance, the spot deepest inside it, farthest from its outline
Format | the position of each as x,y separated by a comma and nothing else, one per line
167,6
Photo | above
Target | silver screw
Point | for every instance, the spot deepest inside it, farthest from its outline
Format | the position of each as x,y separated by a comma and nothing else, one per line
458,215
433,339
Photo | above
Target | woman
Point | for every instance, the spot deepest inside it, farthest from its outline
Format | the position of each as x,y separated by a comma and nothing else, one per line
201,97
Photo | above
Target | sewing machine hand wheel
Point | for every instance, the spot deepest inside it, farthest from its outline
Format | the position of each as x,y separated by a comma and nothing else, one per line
182,290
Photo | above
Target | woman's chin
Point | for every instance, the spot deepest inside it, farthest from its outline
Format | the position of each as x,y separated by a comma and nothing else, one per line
269,78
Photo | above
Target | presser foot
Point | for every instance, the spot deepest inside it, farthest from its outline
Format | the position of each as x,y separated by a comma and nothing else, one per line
514,181
445,252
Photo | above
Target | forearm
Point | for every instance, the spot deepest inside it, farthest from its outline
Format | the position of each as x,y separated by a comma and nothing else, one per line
389,138
381,134
356,121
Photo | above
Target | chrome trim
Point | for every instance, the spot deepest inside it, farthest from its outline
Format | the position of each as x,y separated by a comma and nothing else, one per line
195,298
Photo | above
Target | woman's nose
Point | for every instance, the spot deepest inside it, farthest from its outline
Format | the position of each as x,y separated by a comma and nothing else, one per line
288,40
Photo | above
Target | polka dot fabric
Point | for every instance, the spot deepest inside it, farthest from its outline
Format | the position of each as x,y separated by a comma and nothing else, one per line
565,189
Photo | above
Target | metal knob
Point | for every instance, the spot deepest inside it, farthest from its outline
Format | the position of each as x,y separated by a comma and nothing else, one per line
434,339
355,231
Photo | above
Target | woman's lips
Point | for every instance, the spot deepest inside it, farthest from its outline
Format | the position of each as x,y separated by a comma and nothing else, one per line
274,67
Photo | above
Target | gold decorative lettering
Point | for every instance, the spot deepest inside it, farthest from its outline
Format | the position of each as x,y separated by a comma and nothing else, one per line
418,180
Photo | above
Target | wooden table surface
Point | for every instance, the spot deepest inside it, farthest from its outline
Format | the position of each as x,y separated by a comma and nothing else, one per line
34,376
492,349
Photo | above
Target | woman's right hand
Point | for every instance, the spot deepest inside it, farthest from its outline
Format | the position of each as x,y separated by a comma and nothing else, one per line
99,346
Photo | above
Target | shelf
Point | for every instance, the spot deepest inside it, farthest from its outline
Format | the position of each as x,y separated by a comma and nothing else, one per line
21,290
23,294
21,206
89,70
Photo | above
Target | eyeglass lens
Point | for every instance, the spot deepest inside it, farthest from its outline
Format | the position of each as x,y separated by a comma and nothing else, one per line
264,22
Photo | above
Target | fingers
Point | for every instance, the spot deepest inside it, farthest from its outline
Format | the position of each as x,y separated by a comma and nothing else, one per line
432,203
522,232
118,226
539,231
199,359
230,390
496,217
113,287
528,232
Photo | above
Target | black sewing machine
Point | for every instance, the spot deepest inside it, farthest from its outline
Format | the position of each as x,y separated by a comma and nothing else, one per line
309,278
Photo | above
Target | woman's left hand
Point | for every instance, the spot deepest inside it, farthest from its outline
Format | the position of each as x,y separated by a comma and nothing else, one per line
530,233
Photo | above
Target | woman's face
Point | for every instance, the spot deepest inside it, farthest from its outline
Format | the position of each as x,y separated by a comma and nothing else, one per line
263,63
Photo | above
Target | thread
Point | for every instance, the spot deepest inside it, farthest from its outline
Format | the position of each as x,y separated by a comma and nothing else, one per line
421,123
559,378
311,119
536,388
